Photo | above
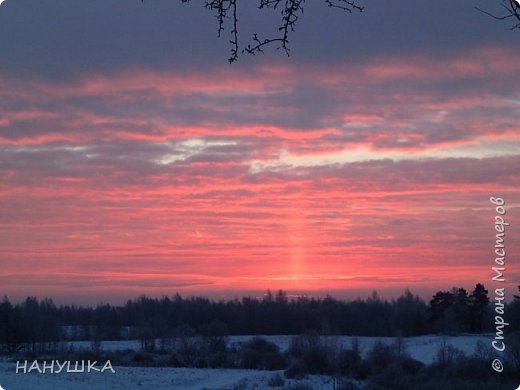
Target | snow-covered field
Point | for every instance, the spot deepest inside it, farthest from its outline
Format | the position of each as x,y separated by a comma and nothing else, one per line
423,348
152,378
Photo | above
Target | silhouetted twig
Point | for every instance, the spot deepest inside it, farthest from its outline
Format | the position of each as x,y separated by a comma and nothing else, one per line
512,11
290,11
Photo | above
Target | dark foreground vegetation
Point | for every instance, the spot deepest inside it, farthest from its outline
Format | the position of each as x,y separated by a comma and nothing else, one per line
385,366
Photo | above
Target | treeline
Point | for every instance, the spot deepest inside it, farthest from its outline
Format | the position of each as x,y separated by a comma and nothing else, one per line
37,325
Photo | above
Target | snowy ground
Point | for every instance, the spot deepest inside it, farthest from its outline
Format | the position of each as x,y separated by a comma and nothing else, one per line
423,348
141,378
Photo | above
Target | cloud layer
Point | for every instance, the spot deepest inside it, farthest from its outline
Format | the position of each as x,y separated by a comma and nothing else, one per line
351,174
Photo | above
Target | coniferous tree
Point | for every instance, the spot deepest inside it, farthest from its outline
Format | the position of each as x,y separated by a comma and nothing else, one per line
438,310
461,309
478,303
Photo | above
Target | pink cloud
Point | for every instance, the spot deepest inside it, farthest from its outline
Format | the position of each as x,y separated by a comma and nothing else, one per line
89,198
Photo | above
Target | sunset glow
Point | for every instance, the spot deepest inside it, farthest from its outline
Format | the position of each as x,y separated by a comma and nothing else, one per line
339,178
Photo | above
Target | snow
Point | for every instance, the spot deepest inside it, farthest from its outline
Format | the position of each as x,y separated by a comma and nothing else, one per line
422,348
151,378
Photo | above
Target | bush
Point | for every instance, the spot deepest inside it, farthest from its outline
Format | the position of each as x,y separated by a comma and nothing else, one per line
242,385
302,344
391,367
296,370
214,336
411,366
342,383
392,377
78,354
465,373
276,381
348,362
483,352
186,353
299,386
218,360
471,368
261,354
142,358
249,359
513,351
317,358
380,356
362,371
447,354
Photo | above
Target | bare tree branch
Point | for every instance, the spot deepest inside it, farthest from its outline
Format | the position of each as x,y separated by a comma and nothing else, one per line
289,19
512,10
344,5
290,11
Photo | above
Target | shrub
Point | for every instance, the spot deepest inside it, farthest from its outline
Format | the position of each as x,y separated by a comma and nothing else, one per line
348,362
249,359
513,351
299,386
483,352
465,374
411,366
296,369
276,381
300,345
242,385
273,361
362,371
261,344
380,356
342,383
214,336
142,358
218,360
447,354
317,357
186,354
259,353
391,367
471,368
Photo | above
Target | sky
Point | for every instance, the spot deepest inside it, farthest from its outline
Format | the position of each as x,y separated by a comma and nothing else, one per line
134,159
